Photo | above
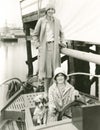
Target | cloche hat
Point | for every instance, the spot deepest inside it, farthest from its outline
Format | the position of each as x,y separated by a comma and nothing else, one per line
58,71
49,6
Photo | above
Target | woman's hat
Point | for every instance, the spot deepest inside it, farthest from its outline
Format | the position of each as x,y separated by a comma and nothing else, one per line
58,71
50,6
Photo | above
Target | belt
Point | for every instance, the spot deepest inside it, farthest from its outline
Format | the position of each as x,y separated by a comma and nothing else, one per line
50,42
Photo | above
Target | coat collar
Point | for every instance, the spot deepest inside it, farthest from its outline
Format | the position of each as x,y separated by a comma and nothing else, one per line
67,87
46,20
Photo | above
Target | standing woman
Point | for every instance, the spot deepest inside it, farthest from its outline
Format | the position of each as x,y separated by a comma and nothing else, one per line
48,36
61,93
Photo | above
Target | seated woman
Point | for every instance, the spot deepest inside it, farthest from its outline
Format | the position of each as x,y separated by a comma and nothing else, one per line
61,93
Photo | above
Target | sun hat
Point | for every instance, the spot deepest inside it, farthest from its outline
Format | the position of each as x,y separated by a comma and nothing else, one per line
58,71
49,6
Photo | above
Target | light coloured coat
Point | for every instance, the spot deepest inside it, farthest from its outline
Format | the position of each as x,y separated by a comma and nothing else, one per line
58,99
39,38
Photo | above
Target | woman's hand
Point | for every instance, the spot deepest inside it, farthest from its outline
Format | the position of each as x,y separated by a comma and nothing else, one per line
75,95
37,45
63,45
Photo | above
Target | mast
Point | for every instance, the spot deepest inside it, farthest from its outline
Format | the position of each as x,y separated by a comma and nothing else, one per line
6,28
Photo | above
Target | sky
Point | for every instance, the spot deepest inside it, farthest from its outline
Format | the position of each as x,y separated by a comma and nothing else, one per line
10,12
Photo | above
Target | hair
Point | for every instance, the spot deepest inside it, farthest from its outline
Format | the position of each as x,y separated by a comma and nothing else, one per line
65,77
47,10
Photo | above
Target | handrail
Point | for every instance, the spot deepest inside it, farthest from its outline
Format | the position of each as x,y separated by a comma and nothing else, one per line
12,99
86,56
11,79
81,73
87,74
15,95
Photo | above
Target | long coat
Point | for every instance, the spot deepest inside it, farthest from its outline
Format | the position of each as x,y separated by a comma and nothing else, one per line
39,38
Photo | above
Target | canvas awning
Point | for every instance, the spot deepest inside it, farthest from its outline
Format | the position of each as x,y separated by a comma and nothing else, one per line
80,19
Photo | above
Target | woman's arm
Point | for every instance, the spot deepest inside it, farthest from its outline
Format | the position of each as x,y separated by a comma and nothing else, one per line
62,38
52,115
51,100
36,33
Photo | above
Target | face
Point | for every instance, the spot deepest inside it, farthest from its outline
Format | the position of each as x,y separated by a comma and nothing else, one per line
42,103
50,12
60,78
39,104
